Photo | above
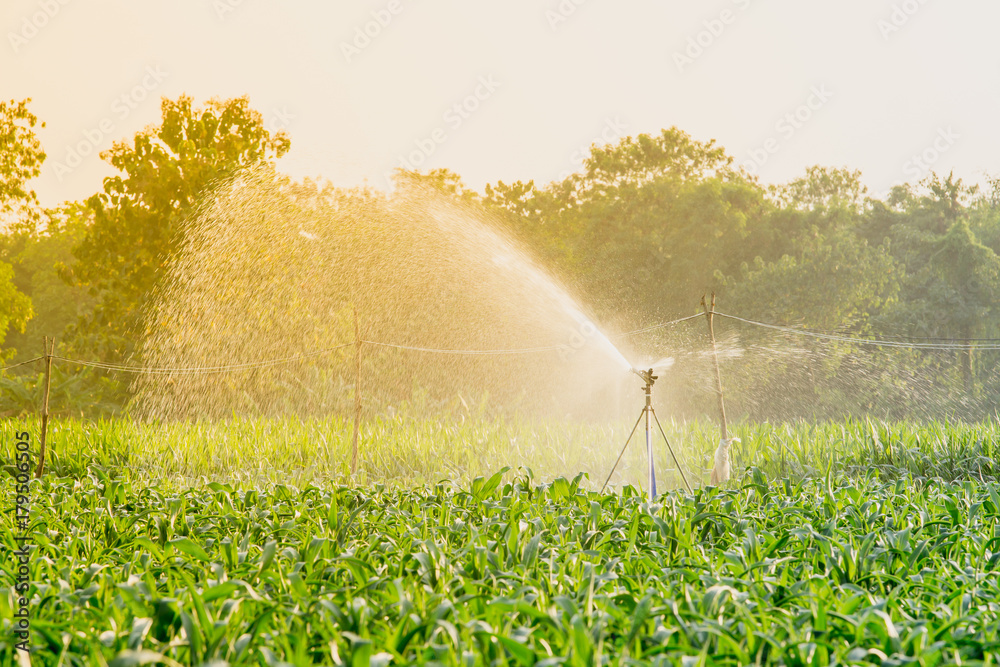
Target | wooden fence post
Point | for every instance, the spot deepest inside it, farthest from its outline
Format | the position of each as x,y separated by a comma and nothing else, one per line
48,348
709,313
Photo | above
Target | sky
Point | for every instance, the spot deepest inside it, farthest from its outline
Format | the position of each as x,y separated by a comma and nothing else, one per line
519,90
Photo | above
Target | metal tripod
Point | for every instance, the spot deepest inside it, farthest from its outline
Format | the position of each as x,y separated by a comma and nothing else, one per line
650,416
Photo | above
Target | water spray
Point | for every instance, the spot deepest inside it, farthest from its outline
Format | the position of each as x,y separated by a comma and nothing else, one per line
649,414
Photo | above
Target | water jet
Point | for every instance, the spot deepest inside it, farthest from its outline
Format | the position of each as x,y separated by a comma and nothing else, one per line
451,305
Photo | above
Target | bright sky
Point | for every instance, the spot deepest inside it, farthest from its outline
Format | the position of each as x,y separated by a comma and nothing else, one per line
891,87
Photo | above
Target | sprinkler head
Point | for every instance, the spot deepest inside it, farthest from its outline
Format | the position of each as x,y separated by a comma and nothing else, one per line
647,376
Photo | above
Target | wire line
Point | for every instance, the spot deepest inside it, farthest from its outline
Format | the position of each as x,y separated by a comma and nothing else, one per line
523,350
23,363
951,345
956,346
199,370
660,326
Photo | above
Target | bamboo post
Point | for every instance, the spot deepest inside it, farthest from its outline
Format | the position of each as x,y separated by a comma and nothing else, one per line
709,313
47,348
357,391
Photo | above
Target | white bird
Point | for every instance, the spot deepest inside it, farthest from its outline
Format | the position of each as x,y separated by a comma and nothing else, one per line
720,472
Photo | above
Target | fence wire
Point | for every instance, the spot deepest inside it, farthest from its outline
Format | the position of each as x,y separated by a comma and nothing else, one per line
943,344
524,350
951,344
435,350
23,363
201,370
660,326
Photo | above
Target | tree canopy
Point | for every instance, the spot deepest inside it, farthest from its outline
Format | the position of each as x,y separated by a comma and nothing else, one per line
647,226
137,220
21,159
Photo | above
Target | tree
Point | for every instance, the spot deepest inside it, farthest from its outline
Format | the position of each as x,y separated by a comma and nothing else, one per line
138,219
823,188
39,252
645,225
15,307
441,181
952,278
954,294
817,273
832,283
21,158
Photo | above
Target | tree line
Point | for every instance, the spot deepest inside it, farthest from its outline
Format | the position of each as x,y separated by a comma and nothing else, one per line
646,227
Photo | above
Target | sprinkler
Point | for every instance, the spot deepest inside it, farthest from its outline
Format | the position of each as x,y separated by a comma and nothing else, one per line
649,379
650,416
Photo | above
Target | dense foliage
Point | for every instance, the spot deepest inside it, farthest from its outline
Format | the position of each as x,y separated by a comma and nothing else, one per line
21,157
640,233
654,222
137,220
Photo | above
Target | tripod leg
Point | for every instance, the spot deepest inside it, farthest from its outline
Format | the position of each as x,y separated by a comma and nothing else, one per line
671,450
649,455
623,451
